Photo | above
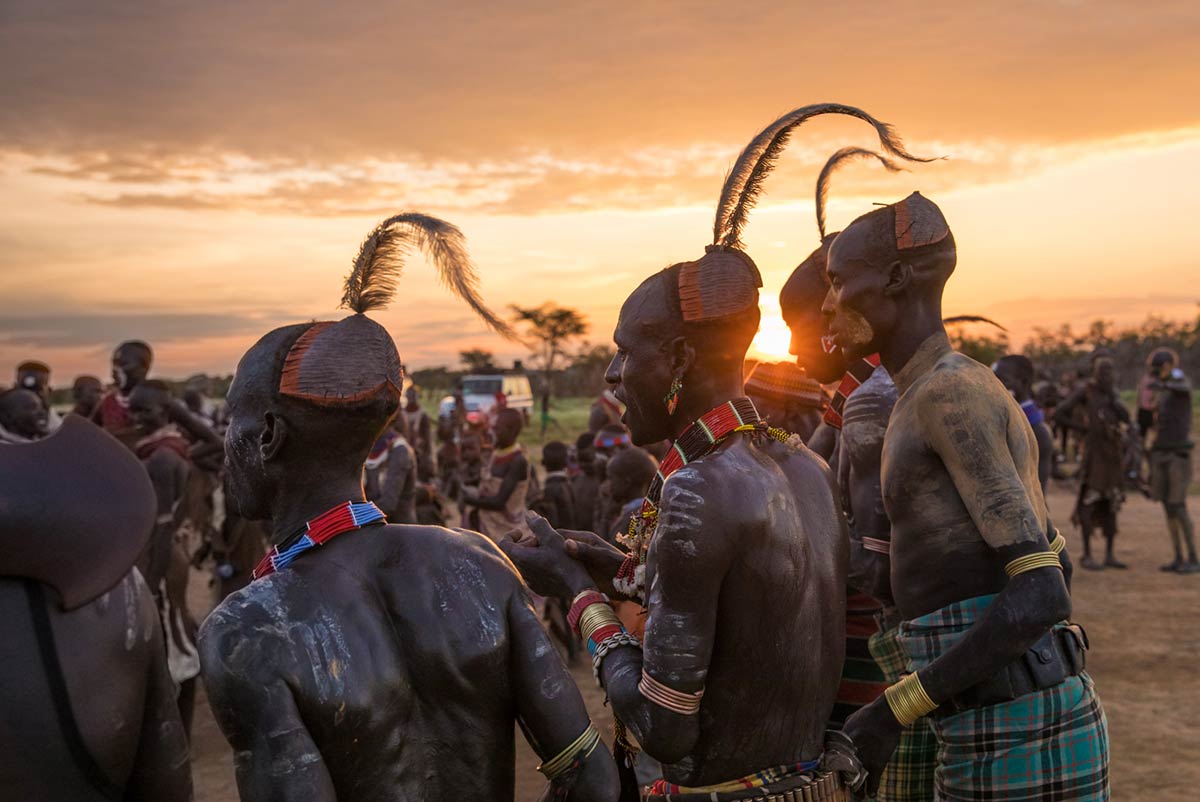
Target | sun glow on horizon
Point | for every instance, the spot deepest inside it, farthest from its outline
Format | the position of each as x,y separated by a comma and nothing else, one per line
773,340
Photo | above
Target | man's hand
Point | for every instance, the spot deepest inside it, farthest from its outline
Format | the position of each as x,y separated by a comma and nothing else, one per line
598,556
546,566
875,733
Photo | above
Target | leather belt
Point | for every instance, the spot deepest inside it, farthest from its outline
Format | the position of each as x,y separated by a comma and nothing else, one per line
823,787
1056,656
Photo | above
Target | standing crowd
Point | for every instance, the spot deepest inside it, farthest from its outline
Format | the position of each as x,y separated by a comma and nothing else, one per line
825,579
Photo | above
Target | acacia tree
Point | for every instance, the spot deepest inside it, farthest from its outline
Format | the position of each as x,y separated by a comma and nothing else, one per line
477,360
549,330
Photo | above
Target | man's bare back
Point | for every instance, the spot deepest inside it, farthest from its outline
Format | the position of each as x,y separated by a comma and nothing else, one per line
770,561
940,553
131,731
401,650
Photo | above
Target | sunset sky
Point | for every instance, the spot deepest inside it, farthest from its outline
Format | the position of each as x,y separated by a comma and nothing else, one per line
194,174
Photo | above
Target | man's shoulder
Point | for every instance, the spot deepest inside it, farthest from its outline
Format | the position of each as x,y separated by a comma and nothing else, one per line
247,637
736,472
956,378
440,549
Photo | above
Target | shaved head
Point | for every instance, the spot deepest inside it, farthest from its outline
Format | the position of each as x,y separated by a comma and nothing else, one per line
801,301
888,265
306,432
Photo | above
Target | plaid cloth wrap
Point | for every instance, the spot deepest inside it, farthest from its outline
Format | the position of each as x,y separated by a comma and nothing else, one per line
909,773
1045,746
862,680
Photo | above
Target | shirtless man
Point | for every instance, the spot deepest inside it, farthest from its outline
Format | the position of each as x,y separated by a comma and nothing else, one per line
130,365
504,483
982,595
391,662
1102,485
88,707
740,566
851,438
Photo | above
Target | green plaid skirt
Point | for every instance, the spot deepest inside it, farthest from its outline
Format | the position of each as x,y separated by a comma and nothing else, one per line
1045,746
909,773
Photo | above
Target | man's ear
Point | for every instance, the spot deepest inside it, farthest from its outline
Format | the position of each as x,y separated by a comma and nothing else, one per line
682,356
899,276
273,436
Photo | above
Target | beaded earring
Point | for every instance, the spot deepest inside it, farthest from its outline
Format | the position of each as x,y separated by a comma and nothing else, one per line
672,399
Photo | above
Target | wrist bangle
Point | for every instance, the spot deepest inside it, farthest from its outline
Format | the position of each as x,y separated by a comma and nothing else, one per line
1059,543
1031,562
908,700
581,603
594,617
685,704
579,749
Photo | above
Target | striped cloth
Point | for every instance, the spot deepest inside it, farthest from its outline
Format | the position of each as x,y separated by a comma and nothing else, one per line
1045,746
862,680
909,773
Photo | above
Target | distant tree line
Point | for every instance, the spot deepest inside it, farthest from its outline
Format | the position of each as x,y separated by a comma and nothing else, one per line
1056,351
572,366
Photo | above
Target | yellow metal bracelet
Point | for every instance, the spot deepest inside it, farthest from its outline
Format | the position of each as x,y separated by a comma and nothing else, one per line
1031,562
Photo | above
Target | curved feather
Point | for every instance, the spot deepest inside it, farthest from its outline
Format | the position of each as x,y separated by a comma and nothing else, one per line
835,161
743,183
971,319
380,261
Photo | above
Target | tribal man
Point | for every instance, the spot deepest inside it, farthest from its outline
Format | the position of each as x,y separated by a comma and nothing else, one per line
419,433
504,482
391,662
86,392
390,474
23,419
88,706
35,376
1102,489
853,430
984,604
164,451
1171,455
131,362
738,551
557,504
130,365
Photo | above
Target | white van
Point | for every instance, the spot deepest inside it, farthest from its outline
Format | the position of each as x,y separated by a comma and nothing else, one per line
479,393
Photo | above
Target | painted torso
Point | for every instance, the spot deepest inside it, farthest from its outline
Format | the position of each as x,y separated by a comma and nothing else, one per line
938,553
395,644
779,617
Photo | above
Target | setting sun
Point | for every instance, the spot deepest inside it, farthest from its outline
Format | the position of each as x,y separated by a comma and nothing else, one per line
773,339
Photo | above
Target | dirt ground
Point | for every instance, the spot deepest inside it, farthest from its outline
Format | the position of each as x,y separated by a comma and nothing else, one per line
1144,658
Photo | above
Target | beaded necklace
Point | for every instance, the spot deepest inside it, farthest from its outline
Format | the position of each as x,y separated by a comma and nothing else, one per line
320,530
856,374
701,437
